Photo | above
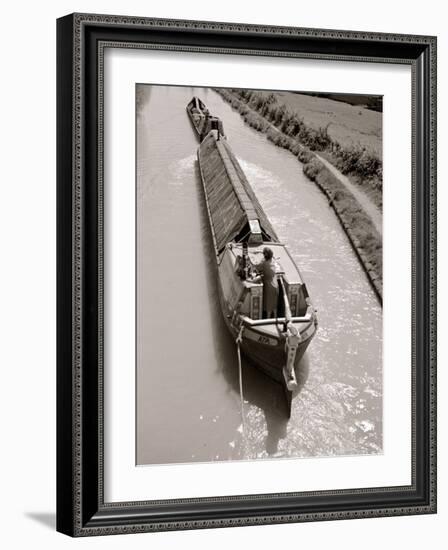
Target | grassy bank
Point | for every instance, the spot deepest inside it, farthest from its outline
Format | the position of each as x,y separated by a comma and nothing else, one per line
362,163
357,224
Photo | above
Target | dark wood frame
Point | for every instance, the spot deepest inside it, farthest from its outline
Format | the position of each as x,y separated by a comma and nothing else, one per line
81,510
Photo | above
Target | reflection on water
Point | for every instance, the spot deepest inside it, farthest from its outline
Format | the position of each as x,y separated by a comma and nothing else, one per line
188,404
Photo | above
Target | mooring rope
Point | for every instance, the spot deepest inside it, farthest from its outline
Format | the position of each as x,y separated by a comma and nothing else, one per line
239,339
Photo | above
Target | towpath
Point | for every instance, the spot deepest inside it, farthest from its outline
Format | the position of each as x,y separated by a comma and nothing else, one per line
364,200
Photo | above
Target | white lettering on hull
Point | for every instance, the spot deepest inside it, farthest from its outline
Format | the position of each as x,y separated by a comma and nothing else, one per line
260,338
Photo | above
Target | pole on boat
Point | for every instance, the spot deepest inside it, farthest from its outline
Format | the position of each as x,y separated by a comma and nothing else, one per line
292,341
288,314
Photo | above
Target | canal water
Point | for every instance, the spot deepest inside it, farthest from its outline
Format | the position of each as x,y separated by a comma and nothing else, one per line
188,401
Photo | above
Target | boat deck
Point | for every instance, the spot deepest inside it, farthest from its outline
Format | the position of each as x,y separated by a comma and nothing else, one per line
285,264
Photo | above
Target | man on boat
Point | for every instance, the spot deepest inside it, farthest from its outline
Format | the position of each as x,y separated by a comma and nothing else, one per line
267,273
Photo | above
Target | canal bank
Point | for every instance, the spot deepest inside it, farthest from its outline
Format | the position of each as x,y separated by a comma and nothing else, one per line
361,227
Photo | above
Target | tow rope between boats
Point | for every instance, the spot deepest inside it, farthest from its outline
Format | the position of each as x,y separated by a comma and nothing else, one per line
239,339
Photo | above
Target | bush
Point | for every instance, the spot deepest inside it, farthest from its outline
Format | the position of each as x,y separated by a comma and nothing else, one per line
304,155
312,168
357,160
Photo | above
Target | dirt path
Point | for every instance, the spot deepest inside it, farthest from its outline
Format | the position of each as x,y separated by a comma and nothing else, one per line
370,208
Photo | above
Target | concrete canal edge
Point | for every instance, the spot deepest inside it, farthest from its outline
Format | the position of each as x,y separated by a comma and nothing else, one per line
355,222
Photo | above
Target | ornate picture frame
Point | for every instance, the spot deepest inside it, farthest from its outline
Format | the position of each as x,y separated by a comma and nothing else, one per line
81,42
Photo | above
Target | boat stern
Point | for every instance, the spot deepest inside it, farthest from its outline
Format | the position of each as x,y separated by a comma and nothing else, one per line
276,347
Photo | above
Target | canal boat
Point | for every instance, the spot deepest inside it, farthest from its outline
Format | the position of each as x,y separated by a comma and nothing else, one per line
241,230
203,122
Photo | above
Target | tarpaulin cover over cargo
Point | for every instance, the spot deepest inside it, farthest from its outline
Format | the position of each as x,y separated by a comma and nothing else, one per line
231,201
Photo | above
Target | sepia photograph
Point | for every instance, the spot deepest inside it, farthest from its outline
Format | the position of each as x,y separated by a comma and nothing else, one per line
259,242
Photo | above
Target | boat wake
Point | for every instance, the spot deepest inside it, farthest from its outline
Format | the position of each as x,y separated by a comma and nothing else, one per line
180,169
